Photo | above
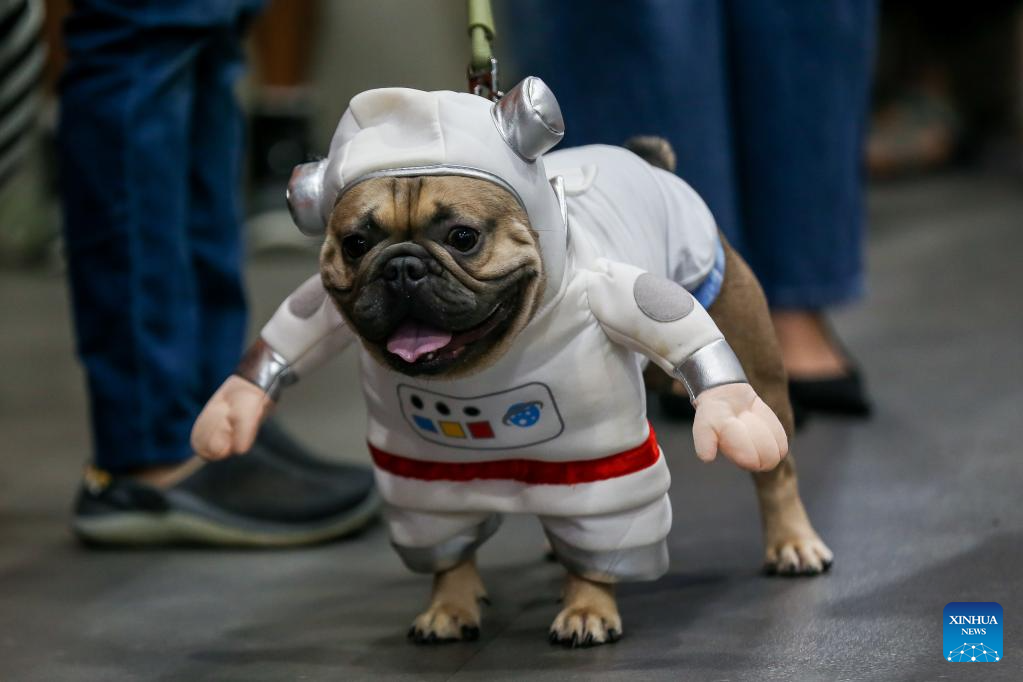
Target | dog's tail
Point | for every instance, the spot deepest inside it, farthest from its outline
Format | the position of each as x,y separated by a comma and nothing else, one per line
654,150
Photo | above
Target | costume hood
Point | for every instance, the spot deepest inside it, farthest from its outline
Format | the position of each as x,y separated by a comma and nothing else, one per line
405,132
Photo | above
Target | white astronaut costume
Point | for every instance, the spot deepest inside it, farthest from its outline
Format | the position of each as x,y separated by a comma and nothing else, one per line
557,426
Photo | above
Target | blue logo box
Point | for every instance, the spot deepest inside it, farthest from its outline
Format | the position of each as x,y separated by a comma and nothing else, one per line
972,632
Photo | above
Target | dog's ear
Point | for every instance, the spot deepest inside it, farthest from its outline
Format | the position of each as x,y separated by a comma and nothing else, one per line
305,191
529,118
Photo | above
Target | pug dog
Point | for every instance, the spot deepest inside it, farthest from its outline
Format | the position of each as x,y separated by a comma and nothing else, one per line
506,301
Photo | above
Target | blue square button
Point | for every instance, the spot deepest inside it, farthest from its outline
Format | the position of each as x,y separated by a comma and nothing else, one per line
424,423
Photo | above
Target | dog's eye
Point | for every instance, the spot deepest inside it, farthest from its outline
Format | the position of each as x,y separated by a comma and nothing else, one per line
463,238
355,246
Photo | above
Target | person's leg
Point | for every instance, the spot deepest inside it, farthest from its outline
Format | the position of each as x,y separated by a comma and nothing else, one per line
215,230
150,143
126,99
214,212
800,87
621,69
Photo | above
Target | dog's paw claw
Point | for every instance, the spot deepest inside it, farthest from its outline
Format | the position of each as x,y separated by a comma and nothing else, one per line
444,623
803,555
584,627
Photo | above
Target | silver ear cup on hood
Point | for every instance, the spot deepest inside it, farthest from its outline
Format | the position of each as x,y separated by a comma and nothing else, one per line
305,191
529,118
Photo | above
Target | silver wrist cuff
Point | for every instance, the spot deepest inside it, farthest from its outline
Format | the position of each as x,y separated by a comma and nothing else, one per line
713,365
266,368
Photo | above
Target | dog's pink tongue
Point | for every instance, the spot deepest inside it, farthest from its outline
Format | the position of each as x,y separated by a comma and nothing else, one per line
412,340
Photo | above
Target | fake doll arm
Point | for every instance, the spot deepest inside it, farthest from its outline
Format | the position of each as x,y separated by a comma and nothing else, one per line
305,331
656,317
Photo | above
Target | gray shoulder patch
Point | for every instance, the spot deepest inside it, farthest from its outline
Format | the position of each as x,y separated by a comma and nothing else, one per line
661,299
307,299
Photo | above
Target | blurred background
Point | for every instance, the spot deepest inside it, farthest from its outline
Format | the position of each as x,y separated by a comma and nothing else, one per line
947,97
937,334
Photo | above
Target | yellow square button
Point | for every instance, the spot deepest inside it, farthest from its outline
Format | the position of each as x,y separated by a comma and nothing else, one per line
453,429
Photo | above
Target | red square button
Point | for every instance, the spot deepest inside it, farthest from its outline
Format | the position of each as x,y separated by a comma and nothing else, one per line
480,429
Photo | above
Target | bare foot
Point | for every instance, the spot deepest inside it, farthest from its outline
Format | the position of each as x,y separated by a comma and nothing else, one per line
807,349
454,612
590,615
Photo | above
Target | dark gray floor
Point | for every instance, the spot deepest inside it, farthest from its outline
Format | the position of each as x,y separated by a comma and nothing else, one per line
922,506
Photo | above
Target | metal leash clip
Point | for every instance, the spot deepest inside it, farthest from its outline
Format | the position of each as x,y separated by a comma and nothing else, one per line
483,82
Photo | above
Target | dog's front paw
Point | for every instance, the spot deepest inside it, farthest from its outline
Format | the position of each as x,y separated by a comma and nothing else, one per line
586,626
798,553
445,622
590,616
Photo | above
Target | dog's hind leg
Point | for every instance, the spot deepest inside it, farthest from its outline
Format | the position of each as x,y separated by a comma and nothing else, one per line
454,611
589,616
792,546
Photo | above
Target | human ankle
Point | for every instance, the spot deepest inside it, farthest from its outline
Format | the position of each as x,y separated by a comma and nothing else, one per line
166,475
807,348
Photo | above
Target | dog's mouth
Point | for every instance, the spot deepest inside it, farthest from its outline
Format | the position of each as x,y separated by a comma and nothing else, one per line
421,347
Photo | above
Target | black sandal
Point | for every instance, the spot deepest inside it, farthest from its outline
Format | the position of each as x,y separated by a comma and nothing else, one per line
843,395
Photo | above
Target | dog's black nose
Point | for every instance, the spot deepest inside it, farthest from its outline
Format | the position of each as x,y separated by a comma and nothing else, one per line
404,270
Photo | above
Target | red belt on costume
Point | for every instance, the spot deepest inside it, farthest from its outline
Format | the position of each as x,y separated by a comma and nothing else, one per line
532,471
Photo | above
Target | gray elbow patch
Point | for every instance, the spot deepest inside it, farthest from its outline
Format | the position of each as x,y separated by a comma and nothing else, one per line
307,299
660,299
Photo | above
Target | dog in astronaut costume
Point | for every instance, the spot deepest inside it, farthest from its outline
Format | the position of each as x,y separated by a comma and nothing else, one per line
507,301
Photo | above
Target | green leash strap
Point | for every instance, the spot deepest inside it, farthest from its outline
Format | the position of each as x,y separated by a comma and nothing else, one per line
482,64
481,33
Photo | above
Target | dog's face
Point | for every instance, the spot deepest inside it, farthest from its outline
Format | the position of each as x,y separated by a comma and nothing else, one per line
437,274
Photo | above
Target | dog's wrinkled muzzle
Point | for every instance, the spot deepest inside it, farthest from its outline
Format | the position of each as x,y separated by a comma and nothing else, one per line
404,273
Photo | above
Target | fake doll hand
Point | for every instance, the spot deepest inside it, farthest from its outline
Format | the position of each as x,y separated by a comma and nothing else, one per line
732,418
229,422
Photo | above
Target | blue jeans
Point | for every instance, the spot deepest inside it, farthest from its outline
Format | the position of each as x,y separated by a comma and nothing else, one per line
765,104
150,145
